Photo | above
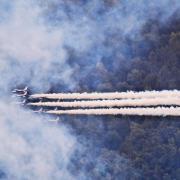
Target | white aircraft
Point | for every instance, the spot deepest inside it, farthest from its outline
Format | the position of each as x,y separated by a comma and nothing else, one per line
21,95
20,90
54,120
57,118
39,111
21,103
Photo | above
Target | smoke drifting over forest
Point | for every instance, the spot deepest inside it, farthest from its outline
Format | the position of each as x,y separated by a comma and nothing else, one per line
39,37
67,46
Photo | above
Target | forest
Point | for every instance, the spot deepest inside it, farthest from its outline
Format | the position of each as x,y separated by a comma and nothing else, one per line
68,46
132,147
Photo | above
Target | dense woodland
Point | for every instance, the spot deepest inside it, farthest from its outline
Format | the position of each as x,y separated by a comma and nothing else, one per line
127,147
122,147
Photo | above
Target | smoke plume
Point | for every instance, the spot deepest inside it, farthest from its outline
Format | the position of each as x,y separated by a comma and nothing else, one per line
111,103
159,111
111,95
31,148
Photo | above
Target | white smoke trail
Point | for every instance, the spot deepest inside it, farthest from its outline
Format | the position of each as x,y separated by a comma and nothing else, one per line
159,111
110,95
112,103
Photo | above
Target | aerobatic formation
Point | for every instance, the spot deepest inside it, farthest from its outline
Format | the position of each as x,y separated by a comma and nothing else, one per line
147,103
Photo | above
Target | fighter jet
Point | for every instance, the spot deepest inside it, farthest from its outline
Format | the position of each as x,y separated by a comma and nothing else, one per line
21,103
39,111
25,94
25,90
54,120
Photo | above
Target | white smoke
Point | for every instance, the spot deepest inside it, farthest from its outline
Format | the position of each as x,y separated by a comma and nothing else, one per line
34,49
158,111
31,148
111,95
29,52
111,103
31,49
